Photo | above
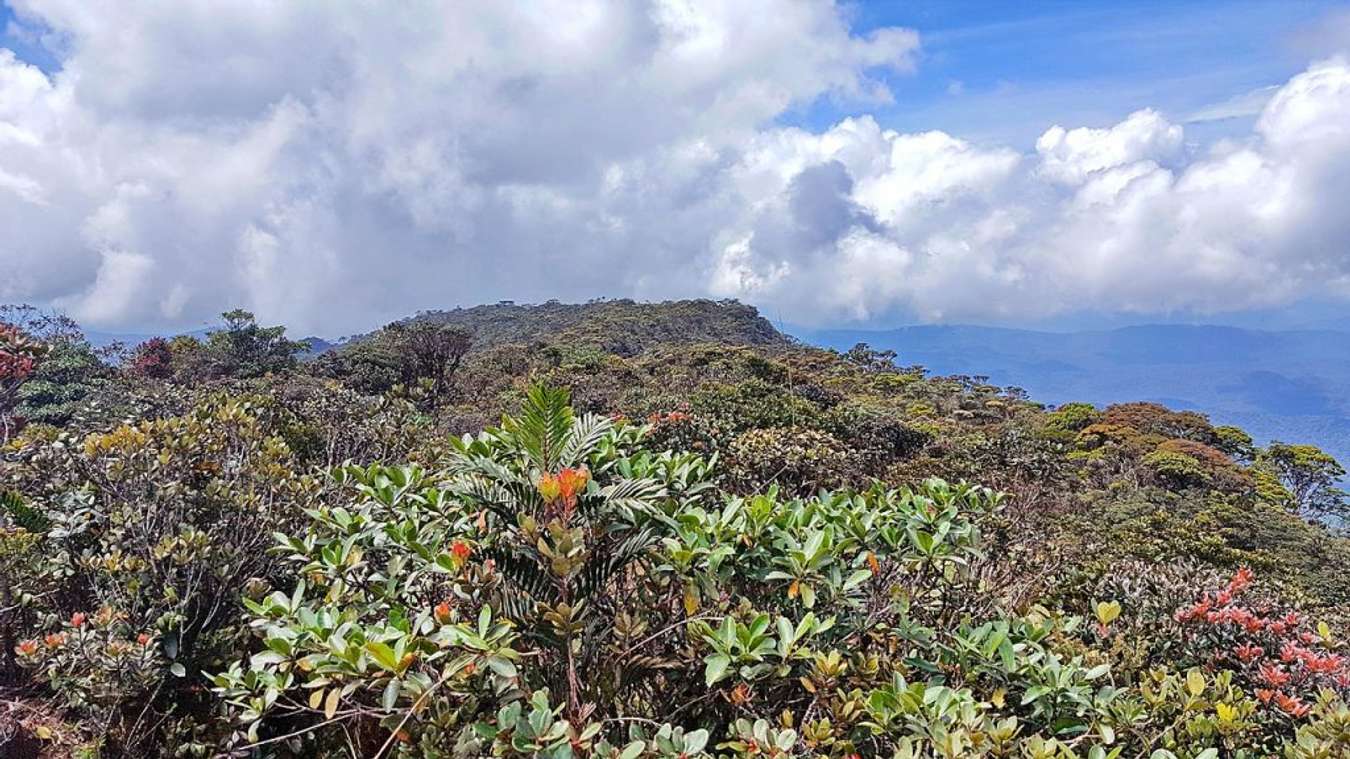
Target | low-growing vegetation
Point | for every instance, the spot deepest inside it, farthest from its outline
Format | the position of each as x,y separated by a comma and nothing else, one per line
467,536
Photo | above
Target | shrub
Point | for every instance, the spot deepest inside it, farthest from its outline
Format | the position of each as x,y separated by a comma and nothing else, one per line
158,528
798,460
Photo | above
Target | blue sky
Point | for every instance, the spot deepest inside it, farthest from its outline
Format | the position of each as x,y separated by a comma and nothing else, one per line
336,165
1001,72
23,42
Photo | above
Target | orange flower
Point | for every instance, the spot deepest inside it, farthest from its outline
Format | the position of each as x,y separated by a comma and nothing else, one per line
442,612
26,648
1291,705
77,619
1265,694
461,550
571,482
55,640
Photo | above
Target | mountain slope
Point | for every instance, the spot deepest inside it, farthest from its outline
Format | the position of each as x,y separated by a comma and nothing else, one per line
1285,385
624,327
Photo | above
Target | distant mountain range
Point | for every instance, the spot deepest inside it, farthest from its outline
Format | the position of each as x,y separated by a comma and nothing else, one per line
1292,385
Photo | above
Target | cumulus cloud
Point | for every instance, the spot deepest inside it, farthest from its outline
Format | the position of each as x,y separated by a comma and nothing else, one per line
334,165
1117,219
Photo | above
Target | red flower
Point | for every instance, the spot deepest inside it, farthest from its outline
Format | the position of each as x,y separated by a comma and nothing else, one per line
1291,652
1241,580
1265,694
1249,653
143,639
461,550
1198,611
1274,675
77,619
1323,665
26,648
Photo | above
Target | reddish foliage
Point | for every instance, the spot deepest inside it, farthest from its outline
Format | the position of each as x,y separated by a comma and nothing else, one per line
153,358
1280,660
1156,419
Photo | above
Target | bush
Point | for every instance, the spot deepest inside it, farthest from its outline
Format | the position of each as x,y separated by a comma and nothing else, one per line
158,528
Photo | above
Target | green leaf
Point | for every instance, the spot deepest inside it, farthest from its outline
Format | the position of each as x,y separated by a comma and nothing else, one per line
502,666
382,654
695,741
716,668
808,596
1033,693
390,696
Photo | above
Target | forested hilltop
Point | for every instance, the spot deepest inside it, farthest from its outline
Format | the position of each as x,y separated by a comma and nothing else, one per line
640,530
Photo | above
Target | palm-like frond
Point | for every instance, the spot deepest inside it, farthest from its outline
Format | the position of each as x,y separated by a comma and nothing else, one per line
544,425
601,568
636,500
585,435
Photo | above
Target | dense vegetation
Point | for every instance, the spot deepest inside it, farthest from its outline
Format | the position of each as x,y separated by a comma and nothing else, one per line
640,530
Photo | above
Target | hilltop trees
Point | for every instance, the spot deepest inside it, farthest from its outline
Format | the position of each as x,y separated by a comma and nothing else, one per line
418,357
245,349
1310,474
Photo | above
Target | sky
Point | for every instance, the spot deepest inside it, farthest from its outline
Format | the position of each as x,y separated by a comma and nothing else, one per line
332,166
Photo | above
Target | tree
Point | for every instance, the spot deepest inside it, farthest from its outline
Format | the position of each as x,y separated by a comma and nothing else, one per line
1310,474
243,349
153,358
19,356
1235,442
369,367
864,356
68,373
429,352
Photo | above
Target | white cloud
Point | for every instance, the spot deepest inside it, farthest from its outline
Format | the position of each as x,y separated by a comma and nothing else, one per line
1118,219
1071,156
334,165
1247,104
